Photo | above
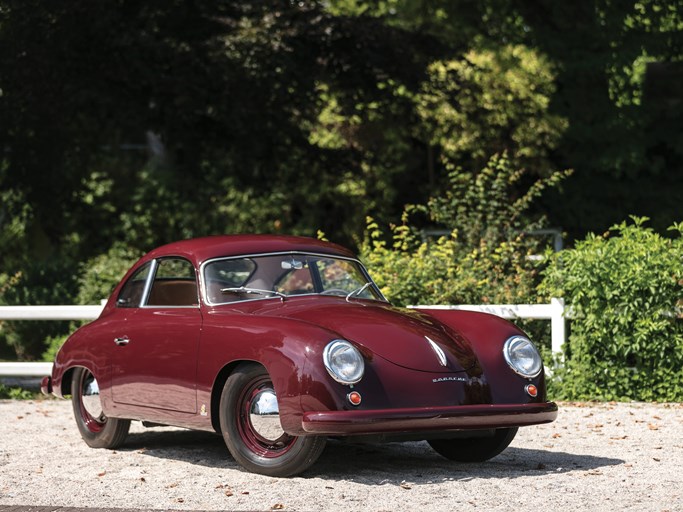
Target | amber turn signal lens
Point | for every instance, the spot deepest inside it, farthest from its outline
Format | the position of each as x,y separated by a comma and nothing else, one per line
531,390
354,398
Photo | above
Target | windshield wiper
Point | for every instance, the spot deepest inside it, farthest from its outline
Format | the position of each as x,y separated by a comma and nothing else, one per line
253,291
358,291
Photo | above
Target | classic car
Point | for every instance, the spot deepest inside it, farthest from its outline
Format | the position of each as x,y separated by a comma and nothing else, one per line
279,343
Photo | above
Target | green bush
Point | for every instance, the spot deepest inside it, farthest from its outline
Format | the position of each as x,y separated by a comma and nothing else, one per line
58,281
102,273
484,259
38,283
16,393
624,289
54,343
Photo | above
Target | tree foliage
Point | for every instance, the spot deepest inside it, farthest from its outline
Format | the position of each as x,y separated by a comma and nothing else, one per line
37,283
625,289
137,124
486,256
488,102
230,90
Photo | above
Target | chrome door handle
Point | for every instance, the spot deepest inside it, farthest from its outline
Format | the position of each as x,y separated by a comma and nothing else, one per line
121,341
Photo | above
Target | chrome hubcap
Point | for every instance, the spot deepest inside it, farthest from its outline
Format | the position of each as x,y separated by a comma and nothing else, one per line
264,415
90,396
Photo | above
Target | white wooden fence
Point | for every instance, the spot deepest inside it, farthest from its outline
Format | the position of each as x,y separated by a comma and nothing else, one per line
555,312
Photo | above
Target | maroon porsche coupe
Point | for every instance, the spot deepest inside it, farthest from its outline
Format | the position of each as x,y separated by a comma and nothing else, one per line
278,343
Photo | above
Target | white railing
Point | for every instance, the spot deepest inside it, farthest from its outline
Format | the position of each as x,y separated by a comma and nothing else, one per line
555,312
41,313
50,312
25,369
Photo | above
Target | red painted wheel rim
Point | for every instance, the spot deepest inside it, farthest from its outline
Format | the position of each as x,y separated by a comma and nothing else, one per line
248,434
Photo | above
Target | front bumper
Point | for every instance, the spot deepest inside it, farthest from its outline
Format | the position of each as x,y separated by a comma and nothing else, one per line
428,419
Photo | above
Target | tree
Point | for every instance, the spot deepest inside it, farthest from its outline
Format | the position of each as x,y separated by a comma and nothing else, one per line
618,68
230,88
623,144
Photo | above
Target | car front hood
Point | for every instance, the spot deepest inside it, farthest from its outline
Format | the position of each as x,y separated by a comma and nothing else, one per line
405,337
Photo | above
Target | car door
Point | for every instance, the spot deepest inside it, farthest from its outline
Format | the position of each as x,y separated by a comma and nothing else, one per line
155,358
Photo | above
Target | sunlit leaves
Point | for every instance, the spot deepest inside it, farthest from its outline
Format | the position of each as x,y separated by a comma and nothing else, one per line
484,256
625,289
492,101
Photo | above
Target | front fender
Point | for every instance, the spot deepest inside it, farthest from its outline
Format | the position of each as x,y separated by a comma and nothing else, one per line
283,346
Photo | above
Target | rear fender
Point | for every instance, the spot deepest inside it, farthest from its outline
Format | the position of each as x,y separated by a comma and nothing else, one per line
77,353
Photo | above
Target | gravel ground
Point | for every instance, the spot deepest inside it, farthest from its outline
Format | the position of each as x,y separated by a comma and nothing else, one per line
594,457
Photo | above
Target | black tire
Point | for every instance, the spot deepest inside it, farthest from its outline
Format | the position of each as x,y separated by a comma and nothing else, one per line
279,454
97,430
476,449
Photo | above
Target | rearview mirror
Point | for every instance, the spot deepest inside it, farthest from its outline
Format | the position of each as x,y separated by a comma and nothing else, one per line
292,264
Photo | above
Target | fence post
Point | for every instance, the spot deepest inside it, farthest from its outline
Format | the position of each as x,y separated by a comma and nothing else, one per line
558,331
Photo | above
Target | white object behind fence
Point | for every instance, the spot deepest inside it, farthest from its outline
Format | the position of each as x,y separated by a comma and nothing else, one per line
555,312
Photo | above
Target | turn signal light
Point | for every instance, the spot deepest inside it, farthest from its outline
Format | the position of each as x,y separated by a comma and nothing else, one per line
531,390
354,398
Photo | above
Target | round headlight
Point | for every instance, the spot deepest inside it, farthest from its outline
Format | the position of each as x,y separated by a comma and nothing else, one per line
343,362
522,356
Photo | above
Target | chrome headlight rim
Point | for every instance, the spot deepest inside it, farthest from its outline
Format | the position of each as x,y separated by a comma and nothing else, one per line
508,350
328,357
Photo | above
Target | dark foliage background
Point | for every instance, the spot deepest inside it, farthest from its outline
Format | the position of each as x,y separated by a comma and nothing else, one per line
124,125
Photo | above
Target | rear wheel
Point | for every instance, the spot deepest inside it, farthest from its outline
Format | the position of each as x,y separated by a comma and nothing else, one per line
477,449
250,422
97,430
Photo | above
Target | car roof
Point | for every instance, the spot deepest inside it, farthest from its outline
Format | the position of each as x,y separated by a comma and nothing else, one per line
201,249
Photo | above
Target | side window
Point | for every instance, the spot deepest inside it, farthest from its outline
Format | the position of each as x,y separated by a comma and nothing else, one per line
174,284
131,293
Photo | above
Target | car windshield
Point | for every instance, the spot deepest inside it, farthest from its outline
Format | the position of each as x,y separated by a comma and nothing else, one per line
284,275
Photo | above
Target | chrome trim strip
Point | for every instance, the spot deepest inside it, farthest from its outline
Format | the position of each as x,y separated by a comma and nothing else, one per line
148,283
155,306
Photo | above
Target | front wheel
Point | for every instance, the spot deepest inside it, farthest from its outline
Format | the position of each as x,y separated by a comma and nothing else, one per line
250,423
97,430
477,449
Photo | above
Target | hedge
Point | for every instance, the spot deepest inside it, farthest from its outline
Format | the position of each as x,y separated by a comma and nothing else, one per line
626,333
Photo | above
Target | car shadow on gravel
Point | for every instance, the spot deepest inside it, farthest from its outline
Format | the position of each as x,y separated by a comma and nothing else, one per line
411,463
192,446
416,463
